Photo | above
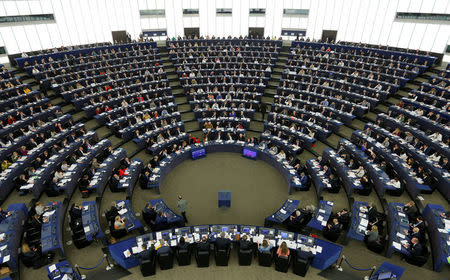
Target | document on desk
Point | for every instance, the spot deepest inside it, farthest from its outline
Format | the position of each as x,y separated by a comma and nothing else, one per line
121,204
158,236
127,253
87,229
397,246
49,213
122,211
136,250
6,258
402,236
364,222
321,211
52,268
320,218
283,211
319,249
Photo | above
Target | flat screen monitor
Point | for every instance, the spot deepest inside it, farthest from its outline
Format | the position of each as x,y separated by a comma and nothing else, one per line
284,235
198,153
264,231
246,230
249,153
224,229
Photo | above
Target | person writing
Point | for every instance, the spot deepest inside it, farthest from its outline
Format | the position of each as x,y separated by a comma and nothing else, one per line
244,243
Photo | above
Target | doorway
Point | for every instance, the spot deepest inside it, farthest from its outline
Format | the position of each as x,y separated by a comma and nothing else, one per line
119,36
192,32
256,32
329,36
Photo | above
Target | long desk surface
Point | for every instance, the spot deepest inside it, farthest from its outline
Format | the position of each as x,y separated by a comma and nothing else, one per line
326,253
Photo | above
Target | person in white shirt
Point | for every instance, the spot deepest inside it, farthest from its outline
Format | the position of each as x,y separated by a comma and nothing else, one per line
359,172
281,155
273,150
435,157
436,137
395,183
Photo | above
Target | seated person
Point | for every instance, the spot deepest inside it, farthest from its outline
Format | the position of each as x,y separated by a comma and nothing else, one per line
161,221
333,230
414,247
244,243
222,242
164,249
75,211
84,183
203,245
410,210
295,221
4,214
149,214
371,235
182,244
334,182
265,247
304,253
343,217
418,223
283,250
112,212
146,253
119,223
114,183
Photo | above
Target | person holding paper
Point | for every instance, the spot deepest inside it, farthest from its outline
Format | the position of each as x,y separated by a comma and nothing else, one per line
75,211
182,244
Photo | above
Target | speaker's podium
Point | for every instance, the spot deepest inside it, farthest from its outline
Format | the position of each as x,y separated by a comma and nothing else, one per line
224,199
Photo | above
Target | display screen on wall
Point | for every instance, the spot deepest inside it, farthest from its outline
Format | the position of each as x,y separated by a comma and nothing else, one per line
152,13
154,33
257,12
190,11
423,16
295,12
27,18
293,32
224,11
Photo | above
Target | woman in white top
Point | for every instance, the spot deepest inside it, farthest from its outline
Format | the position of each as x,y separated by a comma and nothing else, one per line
281,155
435,157
436,136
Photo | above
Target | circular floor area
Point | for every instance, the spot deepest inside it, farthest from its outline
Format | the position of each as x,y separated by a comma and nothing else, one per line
257,189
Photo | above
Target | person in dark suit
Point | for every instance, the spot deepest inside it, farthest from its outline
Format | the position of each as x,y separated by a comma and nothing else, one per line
244,243
343,217
334,183
303,179
146,253
84,183
327,171
304,254
335,226
182,244
75,211
203,245
149,214
164,249
112,213
161,221
114,183
410,210
418,223
222,243
414,247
